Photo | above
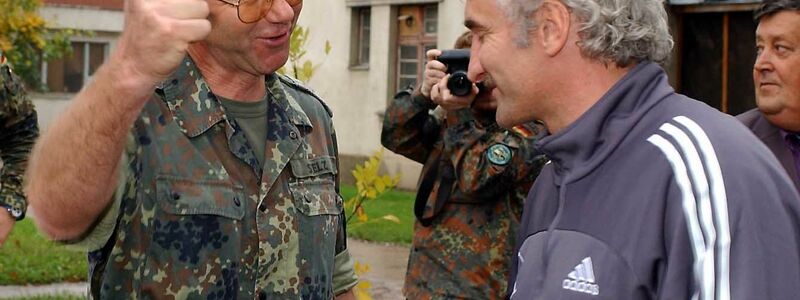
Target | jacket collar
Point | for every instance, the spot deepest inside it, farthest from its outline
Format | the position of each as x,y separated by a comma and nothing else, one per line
587,142
196,108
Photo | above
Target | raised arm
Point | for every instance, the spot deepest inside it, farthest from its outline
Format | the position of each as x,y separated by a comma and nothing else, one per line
408,127
73,168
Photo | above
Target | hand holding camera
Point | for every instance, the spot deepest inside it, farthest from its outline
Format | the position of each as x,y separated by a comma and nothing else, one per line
434,72
442,95
446,82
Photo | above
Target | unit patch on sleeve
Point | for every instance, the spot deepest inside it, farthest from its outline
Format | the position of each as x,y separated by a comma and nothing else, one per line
499,154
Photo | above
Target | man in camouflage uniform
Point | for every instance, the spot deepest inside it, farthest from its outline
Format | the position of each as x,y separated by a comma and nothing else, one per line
228,183
18,130
473,184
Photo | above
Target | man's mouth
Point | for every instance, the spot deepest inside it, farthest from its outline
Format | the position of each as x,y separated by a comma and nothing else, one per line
767,84
276,39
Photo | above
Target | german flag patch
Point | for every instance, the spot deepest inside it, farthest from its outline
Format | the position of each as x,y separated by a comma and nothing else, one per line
523,131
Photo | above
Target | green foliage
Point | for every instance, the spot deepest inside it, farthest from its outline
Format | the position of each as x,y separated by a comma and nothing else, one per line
296,67
29,258
392,202
26,40
369,184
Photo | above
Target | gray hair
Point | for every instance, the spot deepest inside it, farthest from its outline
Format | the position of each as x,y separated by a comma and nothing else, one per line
620,31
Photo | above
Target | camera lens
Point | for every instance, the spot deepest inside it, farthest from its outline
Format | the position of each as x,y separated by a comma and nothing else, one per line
459,84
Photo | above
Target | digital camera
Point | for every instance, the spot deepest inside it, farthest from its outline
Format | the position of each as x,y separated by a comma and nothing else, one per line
457,62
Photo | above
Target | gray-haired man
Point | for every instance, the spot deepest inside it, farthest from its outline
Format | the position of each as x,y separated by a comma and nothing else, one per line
650,194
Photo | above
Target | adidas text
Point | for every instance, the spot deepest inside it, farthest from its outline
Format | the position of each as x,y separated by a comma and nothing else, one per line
582,287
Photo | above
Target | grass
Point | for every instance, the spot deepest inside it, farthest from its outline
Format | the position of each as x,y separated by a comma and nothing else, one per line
28,258
397,203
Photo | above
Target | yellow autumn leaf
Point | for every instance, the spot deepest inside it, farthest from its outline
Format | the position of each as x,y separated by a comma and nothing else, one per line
360,268
361,215
328,47
392,218
380,185
361,291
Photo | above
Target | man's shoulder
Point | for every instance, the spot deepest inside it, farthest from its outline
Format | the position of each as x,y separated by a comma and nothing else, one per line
709,119
302,89
690,124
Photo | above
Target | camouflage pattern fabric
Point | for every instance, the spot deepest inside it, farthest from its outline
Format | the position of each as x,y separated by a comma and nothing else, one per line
18,131
200,218
466,251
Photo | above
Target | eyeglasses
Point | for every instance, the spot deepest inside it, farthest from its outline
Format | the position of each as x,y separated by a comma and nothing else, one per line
250,11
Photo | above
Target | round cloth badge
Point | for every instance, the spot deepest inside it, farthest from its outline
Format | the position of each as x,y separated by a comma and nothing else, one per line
499,154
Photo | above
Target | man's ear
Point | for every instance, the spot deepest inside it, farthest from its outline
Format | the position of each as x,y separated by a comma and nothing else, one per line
554,26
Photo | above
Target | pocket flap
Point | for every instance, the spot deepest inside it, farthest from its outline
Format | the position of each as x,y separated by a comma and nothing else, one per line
316,196
181,196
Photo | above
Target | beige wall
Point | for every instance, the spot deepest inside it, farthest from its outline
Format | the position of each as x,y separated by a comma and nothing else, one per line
105,24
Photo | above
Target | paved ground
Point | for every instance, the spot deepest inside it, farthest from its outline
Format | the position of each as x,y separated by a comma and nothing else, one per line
387,268
387,265
77,289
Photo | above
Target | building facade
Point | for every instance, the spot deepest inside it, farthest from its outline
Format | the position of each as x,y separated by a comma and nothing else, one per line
378,46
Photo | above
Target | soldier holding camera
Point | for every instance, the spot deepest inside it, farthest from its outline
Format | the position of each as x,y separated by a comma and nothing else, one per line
473,184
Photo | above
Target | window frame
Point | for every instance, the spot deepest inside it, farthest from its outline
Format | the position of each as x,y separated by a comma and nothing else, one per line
86,58
360,37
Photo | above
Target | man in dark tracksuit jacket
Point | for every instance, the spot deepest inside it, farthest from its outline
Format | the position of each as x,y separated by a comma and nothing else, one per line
674,201
649,194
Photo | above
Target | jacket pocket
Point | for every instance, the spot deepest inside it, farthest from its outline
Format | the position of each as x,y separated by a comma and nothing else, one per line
313,186
181,196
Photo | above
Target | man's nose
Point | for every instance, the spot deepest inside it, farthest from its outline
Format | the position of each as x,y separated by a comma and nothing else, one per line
475,71
280,12
763,61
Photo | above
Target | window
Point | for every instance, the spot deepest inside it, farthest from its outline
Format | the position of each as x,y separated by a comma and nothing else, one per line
417,28
430,23
69,73
360,50
409,64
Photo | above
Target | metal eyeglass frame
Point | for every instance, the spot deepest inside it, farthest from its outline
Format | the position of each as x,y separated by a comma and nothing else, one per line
238,3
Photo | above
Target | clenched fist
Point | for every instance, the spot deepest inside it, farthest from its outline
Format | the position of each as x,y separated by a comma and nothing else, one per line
156,36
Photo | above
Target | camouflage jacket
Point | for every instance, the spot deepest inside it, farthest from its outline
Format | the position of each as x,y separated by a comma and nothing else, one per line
465,252
200,218
18,131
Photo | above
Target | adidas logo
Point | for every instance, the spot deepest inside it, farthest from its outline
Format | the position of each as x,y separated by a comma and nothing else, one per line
582,279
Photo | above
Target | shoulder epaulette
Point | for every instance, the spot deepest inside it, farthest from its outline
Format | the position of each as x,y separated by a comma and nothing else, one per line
300,86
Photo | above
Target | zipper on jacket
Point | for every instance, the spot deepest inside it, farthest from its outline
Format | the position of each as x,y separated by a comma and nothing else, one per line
562,191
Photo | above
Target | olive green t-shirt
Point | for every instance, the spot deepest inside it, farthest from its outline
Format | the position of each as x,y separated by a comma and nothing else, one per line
252,118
